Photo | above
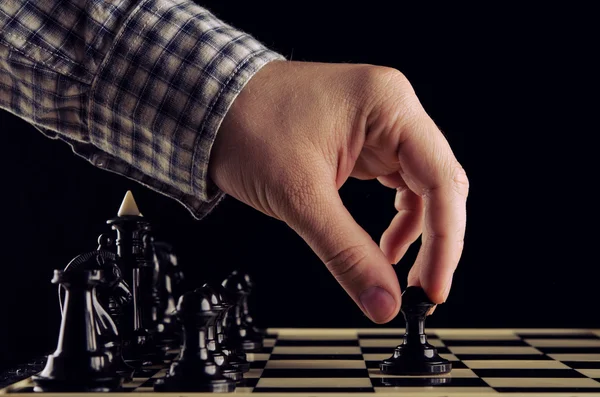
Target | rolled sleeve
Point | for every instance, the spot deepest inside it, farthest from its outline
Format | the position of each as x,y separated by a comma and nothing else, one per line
161,94
136,87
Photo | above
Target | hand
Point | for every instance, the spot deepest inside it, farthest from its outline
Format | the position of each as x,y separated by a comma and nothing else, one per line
299,130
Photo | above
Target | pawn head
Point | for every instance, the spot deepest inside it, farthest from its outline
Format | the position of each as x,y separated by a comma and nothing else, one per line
238,283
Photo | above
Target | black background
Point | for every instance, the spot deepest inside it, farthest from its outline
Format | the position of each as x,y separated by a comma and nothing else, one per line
509,88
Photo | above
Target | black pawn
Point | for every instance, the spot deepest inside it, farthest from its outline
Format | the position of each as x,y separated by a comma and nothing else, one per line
246,307
194,370
415,356
212,343
163,304
243,333
236,356
78,364
104,242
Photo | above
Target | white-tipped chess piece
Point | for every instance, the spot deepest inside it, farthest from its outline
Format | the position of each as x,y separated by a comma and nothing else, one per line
128,206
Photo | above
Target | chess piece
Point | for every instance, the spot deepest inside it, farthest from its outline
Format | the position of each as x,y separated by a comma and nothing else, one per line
166,275
107,332
101,259
131,226
114,294
194,370
78,363
235,355
109,339
170,267
415,356
242,333
212,343
246,307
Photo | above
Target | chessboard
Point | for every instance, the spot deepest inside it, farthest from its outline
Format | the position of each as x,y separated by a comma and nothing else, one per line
329,362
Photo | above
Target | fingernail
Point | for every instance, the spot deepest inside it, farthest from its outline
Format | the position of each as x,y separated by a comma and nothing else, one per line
447,289
378,303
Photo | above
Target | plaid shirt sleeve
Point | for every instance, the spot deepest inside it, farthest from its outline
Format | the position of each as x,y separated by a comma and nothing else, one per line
136,87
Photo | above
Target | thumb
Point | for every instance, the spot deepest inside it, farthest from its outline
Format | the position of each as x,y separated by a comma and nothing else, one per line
349,253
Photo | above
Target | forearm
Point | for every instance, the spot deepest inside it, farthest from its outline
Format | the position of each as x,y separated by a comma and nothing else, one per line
139,89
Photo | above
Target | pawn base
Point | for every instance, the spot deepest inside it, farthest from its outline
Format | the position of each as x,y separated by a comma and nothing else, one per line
233,373
252,346
100,384
407,361
418,382
243,367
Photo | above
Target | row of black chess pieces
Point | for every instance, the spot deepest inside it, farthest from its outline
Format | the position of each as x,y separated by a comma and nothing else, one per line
215,334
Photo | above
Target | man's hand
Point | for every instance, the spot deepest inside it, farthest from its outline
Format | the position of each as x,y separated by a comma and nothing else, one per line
295,134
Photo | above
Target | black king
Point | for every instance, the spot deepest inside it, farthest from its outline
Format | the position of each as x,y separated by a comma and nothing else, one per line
133,230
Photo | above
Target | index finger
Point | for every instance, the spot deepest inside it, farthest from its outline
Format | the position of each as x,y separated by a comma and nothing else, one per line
431,170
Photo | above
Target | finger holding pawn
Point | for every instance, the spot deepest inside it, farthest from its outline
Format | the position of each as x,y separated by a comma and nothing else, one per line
415,356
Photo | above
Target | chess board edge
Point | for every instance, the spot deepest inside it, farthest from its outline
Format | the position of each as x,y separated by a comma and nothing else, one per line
551,342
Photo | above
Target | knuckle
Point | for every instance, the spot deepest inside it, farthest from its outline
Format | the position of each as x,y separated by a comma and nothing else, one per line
387,77
388,83
388,91
345,265
460,181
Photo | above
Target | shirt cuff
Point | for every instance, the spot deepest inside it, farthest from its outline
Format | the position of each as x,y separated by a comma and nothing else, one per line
161,93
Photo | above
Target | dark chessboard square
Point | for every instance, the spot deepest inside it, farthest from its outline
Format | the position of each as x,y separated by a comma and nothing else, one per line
271,335
149,383
443,381
390,350
575,335
146,373
375,364
265,350
298,342
569,350
248,382
528,357
583,364
314,373
465,342
285,390
527,373
258,364
458,365
391,336
412,382
540,390
10,377
372,364
27,389
316,357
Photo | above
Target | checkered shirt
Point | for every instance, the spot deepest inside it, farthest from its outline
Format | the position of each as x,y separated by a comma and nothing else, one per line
136,87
